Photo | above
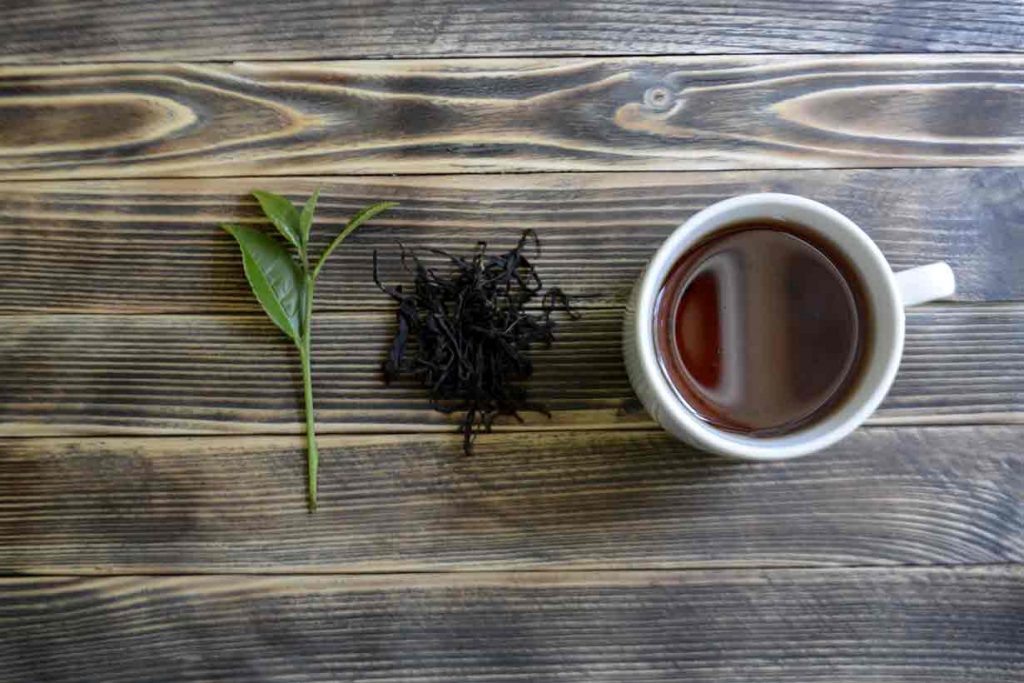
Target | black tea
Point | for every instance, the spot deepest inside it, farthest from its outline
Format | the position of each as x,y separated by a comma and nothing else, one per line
472,331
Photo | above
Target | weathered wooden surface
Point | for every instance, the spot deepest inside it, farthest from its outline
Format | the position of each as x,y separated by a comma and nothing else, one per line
153,246
590,499
430,116
63,30
150,414
765,625
107,374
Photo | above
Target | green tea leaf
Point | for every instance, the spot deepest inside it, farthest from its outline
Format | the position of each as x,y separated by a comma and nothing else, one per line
357,220
306,218
275,278
284,287
282,213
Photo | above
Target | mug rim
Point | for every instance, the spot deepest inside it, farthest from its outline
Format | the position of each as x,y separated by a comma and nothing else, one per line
818,435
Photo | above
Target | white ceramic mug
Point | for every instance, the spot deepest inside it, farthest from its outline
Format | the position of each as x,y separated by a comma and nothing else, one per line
887,293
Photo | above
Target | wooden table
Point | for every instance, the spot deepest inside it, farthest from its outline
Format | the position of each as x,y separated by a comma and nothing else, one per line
152,517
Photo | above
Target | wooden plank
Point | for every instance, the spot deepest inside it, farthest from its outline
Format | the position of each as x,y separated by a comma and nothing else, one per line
116,374
853,625
153,246
457,116
931,495
79,30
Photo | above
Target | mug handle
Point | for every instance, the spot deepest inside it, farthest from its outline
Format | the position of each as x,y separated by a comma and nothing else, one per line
925,283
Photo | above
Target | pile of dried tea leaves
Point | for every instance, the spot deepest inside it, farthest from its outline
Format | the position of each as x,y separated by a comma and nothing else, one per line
465,331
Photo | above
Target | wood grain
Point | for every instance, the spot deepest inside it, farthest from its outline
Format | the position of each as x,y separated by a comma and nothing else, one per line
111,374
66,30
931,495
457,116
153,246
855,626
150,415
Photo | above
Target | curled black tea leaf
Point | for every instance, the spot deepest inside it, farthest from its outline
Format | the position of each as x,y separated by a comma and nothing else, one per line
465,331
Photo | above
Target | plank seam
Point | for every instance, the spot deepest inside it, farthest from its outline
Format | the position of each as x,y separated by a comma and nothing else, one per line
465,57
549,570
14,178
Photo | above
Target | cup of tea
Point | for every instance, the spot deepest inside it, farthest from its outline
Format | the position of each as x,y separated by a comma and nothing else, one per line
769,326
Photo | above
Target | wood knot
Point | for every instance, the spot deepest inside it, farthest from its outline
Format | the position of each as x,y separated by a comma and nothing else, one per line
659,98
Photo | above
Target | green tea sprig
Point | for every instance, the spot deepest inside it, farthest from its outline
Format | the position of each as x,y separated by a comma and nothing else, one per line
284,285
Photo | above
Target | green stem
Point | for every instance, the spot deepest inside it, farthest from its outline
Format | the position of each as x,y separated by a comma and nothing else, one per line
307,385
